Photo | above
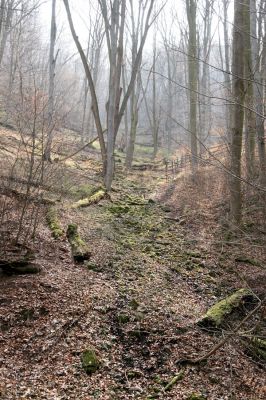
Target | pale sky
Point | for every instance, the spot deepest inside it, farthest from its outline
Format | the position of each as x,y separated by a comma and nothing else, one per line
81,10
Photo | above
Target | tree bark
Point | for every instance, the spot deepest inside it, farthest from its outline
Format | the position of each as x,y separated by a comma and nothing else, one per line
237,110
250,116
95,107
192,77
52,63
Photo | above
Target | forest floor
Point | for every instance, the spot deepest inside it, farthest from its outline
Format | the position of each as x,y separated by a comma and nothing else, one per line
161,256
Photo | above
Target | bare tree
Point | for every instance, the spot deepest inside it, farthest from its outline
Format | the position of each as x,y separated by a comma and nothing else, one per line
237,109
259,51
114,21
136,34
191,9
12,12
51,90
94,49
226,66
205,103
250,115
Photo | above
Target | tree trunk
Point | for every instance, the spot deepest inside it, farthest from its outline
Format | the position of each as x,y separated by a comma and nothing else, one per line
192,77
52,62
154,107
126,109
94,100
116,57
168,125
237,110
260,76
227,68
250,116
133,131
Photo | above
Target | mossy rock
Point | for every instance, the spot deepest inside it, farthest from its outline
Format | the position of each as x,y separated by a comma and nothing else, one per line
53,223
90,362
79,248
217,314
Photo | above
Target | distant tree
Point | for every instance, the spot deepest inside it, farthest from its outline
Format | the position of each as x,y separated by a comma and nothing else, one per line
114,21
204,79
93,53
12,13
136,34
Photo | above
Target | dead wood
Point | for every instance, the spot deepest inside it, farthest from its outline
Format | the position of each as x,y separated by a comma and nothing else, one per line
212,351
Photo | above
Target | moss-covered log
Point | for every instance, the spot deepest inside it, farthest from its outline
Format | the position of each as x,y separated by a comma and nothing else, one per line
216,315
93,199
79,248
53,223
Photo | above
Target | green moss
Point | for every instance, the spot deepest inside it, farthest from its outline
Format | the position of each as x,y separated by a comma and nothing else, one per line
216,315
132,374
53,223
79,248
92,266
123,318
83,191
134,304
196,396
90,362
119,208
174,380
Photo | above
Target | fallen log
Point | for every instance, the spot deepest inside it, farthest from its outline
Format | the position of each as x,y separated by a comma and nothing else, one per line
53,223
216,315
93,199
80,251
220,344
